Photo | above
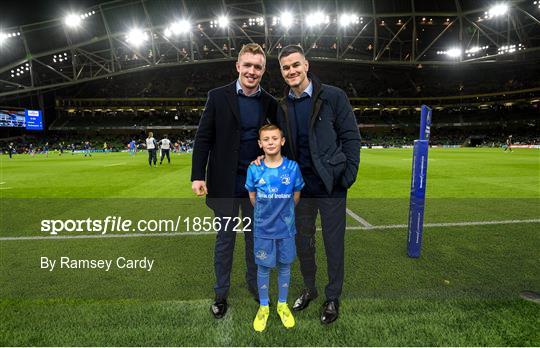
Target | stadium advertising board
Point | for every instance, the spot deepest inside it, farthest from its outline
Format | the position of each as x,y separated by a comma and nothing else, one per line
34,119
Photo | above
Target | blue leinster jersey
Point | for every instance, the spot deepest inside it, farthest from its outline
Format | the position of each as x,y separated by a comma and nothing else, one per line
274,207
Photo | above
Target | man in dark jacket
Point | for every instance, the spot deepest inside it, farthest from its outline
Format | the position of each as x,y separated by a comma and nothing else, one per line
225,144
322,136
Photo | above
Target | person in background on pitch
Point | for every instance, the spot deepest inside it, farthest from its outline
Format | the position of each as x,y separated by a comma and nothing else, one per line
225,144
132,147
11,150
87,149
323,137
165,149
508,143
274,190
151,146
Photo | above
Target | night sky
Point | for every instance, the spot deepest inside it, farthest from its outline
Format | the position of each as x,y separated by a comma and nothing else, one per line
21,12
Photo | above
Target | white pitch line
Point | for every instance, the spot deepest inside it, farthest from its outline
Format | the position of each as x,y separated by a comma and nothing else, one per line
189,233
115,164
449,224
2,183
362,221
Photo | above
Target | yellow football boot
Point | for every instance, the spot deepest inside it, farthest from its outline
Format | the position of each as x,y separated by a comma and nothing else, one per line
259,324
285,314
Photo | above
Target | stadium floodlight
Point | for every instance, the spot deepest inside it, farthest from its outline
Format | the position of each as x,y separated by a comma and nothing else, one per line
73,20
473,51
136,37
347,19
177,28
454,52
316,18
498,10
510,48
5,36
259,21
286,19
223,22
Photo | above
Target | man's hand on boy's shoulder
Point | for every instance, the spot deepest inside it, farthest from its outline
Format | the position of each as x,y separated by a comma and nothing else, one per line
257,161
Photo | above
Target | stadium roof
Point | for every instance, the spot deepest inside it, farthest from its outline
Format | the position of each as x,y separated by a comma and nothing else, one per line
73,44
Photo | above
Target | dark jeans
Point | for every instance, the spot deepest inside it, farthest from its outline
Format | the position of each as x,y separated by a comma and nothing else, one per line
333,215
224,249
165,152
152,156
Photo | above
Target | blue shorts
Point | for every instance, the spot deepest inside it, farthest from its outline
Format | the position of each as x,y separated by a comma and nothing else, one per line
267,251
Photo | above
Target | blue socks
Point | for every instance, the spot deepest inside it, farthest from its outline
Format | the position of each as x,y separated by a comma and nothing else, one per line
263,282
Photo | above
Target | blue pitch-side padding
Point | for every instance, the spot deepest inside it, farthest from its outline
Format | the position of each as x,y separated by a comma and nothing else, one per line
418,185
418,196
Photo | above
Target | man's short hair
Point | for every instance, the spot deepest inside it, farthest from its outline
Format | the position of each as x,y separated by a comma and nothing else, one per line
290,49
270,127
252,48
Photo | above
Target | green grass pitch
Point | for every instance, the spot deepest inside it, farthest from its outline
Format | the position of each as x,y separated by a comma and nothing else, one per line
481,249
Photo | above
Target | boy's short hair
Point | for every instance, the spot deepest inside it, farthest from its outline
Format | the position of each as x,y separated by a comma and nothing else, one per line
290,49
270,127
252,48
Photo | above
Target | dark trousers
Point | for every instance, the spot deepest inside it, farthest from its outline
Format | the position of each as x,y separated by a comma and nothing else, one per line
165,152
333,212
152,156
224,249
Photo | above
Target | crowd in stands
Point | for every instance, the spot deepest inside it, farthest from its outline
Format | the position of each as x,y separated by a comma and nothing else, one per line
380,117
132,119
357,80
489,124
497,113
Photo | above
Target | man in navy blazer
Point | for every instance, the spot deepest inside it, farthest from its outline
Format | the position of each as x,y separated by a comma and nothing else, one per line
225,144
323,137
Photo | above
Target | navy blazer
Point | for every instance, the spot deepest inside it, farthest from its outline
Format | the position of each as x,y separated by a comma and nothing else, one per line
217,141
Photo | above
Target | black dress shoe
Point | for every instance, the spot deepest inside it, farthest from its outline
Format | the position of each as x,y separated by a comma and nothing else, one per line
330,312
304,299
219,308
